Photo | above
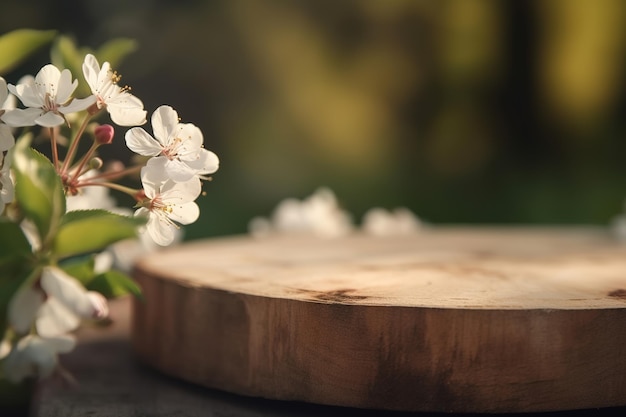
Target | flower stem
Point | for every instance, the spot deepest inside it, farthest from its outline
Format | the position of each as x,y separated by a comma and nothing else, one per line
114,175
72,150
127,190
86,158
55,151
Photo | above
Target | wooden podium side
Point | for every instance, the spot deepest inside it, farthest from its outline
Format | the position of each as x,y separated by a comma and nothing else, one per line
493,320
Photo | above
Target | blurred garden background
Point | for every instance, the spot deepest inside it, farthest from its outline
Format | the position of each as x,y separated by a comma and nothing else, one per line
464,111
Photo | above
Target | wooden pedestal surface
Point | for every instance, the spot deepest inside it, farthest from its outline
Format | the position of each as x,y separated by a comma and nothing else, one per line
451,319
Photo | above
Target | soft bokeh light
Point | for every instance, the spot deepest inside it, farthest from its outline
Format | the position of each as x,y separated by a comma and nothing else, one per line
464,111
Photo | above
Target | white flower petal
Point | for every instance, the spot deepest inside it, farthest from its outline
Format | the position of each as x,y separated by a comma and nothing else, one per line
91,68
127,116
180,192
5,348
7,189
170,201
191,139
125,100
124,108
151,180
164,123
139,141
58,284
35,356
23,308
49,119
47,81
22,117
142,212
32,234
100,305
3,91
78,104
105,77
7,192
179,171
61,344
27,94
160,230
155,171
56,319
6,138
65,87
206,164
103,262
19,365
185,213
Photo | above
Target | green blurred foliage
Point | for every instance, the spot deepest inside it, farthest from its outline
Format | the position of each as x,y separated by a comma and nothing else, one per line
17,45
466,111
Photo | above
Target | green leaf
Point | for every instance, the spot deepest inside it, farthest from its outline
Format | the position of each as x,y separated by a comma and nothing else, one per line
113,284
19,44
16,264
82,268
65,54
12,239
86,231
38,188
15,251
115,50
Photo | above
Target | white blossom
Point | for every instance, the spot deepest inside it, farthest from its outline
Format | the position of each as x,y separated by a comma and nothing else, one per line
167,203
56,305
35,356
618,225
5,348
48,98
124,108
176,147
123,254
53,305
126,252
381,222
318,214
24,307
6,136
7,188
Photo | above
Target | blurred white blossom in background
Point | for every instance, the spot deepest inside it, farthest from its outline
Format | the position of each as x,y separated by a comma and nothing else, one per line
618,227
319,214
382,222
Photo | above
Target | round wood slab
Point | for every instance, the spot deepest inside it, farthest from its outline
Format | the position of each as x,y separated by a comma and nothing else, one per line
449,319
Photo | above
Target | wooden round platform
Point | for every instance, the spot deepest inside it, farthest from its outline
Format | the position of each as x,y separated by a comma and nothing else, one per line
450,319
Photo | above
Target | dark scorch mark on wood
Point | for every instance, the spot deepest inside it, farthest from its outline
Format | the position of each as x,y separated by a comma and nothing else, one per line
619,293
333,296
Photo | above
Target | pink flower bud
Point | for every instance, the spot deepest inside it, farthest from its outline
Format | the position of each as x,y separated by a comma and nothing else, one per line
104,134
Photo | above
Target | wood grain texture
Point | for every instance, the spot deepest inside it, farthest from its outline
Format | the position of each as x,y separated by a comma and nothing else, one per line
452,319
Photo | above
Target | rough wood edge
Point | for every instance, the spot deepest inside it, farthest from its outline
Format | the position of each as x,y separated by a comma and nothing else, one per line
415,359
